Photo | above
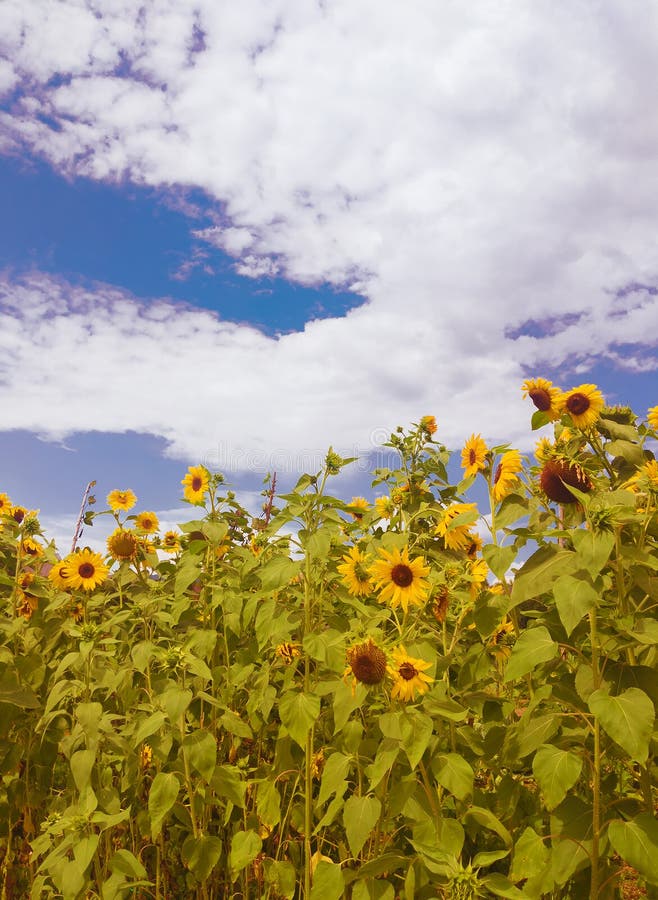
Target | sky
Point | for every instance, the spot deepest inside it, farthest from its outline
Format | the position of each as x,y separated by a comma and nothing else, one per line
237,234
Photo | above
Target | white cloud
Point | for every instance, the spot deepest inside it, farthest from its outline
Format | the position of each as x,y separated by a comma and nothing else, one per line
470,167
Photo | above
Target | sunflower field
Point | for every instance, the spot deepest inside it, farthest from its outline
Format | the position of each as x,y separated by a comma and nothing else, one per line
422,696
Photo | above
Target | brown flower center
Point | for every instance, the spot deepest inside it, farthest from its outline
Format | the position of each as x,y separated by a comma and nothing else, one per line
472,457
407,671
402,575
86,570
577,404
18,515
499,470
541,398
557,475
196,483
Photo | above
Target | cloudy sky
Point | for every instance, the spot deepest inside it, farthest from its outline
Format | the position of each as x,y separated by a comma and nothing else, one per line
241,232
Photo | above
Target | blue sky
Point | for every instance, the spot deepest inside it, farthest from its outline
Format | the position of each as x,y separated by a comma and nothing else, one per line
238,234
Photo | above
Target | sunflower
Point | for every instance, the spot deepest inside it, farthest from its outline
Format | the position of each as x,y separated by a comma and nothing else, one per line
85,569
196,483
474,546
355,573
31,548
584,404
147,522
498,642
367,663
556,477
384,507
5,505
545,396
357,506
146,756
121,500
506,479
58,575
171,542
408,675
122,544
652,418
400,580
428,425
18,513
26,604
455,523
441,604
543,449
478,576
288,652
474,455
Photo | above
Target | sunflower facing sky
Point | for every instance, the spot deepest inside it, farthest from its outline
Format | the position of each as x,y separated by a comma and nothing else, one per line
400,580
652,417
546,397
474,455
583,404
147,522
84,569
408,675
122,544
124,500
196,483
354,573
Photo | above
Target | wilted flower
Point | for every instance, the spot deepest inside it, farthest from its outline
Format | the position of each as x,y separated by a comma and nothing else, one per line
555,472
428,424
122,544
367,662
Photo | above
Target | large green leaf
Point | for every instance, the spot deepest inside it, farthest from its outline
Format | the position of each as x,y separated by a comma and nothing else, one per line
482,816
245,847
499,559
556,772
593,548
200,748
202,854
500,886
299,712
637,844
454,774
628,718
537,574
268,803
162,797
227,781
328,882
416,731
535,646
574,598
82,762
333,775
360,816
278,572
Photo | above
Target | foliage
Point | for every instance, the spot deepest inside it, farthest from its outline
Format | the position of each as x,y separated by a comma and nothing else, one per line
251,708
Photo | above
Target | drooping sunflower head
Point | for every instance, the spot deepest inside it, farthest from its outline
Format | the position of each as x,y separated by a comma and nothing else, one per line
18,513
557,475
545,396
58,575
441,604
652,418
367,662
122,544
31,548
357,507
583,404
85,569
401,581
288,652
355,574
408,675
124,500
147,522
196,483
26,604
506,477
455,524
474,456
500,642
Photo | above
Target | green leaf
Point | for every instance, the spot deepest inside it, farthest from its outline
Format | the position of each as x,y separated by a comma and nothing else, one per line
162,797
488,858
593,549
416,731
268,803
499,559
454,774
82,762
299,712
84,849
574,598
502,887
486,818
373,889
345,702
188,571
280,875
534,647
335,770
125,863
200,748
235,725
202,854
245,847
628,718
360,816
387,753
556,772
537,574
175,701
228,783
446,709
531,855
214,532
328,882
11,691
148,727
278,572
637,844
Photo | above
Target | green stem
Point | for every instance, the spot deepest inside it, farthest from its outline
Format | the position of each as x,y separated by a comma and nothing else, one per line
596,765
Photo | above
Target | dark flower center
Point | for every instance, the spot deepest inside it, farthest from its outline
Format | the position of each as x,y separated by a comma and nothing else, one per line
577,404
86,570
18,515
499,470
407,671
402,575
541,398
555,478
472,457
196,483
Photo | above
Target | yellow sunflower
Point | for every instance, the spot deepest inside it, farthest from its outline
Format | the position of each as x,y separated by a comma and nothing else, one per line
384,507
171,543
58,575
455,524
122,544
147,522
357,506
196,483
478,576
18,513
408,675
652,417
545,396
584,404
26,604
400,580
498,642
506,479
474,455
428,424
5,505
85,569
288,652
543,449
31,548
121,500
355,573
